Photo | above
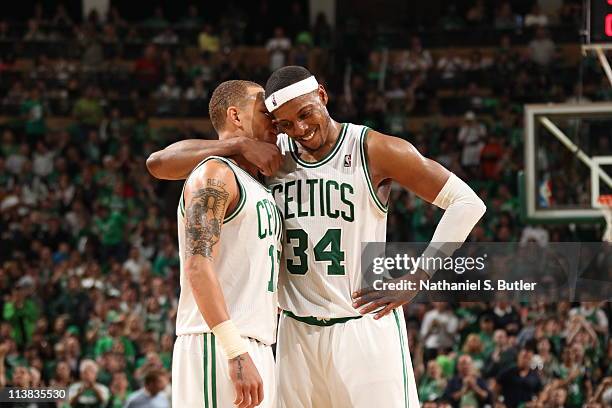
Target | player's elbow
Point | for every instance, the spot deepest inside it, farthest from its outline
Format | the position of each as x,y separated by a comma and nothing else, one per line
196,269
154,163
480,207
475,209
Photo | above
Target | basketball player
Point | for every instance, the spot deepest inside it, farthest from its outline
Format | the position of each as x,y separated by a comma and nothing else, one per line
332,188
229,241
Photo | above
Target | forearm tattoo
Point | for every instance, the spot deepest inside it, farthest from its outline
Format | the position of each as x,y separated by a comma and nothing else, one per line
204,218
239,360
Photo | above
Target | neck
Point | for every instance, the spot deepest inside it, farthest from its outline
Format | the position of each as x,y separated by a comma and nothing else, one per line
333,132
243,164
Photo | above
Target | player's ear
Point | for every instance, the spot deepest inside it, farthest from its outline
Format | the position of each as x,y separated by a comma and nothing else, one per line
233,116
323,95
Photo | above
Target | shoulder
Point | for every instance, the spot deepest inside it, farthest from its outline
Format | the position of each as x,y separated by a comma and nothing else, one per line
507,372
104,390
133,397
382,150
211,168
74,387
376,142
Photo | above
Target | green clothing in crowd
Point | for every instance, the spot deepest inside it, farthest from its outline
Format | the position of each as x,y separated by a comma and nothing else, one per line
430,389
34,124
22,319
111,228
88,111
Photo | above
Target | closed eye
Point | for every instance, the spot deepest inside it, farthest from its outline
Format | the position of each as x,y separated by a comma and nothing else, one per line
284,126
304,115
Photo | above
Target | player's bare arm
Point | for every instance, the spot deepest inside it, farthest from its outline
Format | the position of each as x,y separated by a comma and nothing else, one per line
176,161
209,195
394,159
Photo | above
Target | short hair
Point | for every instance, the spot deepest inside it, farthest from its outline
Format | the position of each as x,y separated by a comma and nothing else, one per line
285,76
152,375
531,345
88,363
228,93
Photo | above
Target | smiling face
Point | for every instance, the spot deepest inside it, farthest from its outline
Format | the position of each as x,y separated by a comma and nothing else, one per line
305,119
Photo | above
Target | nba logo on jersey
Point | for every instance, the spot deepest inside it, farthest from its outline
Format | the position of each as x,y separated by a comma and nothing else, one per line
347,160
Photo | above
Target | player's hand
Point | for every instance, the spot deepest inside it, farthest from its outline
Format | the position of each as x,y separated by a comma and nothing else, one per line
386,299
265,156
247,381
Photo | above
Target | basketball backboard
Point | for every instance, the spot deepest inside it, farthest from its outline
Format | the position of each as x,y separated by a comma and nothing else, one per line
568,161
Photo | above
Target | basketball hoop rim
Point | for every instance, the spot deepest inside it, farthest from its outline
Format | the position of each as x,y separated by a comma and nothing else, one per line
605,200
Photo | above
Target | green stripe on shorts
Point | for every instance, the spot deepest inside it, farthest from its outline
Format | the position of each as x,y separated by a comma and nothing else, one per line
213,343
399,330
206,370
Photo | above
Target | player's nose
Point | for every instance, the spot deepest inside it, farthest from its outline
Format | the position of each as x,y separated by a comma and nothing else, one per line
301,128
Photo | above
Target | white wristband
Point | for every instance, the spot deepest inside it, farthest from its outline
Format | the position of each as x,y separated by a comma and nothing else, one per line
229,339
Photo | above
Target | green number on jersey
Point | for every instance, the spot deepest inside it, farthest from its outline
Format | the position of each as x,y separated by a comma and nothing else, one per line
300,251
273,267
274,263
334,254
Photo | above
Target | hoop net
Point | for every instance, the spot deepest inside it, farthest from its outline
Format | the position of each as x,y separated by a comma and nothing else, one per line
606,207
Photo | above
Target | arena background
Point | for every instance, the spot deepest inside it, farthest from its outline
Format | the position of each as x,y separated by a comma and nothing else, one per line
88,246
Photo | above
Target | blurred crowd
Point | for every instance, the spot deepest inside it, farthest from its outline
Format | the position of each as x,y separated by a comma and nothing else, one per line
88,261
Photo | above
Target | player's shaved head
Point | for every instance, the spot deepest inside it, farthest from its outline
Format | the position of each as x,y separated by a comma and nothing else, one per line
228,93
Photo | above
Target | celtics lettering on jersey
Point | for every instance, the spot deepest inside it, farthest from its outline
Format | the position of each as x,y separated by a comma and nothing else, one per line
316,198
329,208
269,224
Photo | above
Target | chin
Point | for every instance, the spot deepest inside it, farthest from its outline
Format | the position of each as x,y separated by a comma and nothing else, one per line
271,138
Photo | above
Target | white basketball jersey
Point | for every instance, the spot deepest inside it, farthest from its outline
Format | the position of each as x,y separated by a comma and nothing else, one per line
329,208
247,263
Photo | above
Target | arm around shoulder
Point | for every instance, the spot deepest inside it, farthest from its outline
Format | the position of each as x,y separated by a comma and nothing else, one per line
177,160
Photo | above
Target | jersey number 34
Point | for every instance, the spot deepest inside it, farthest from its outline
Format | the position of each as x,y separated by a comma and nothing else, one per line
326,250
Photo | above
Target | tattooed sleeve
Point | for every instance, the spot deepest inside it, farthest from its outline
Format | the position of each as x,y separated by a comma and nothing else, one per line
204,217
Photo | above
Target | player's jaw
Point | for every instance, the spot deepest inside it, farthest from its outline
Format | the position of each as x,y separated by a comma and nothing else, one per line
312,139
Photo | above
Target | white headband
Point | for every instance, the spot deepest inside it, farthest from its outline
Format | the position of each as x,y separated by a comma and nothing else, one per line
290,92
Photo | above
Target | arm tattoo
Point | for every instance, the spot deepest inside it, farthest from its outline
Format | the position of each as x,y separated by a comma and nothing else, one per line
204,218
239,360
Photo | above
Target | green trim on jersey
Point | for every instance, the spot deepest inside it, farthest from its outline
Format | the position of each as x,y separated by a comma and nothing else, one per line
366,172
253,178
330,155
399,330
313,321
242,190
234,213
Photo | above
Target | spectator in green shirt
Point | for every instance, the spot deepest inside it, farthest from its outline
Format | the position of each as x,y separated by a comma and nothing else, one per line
22,313
486,333
87,392
433,383
474,347
87,109
114,338
33,111
120,390
166,259
110,228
